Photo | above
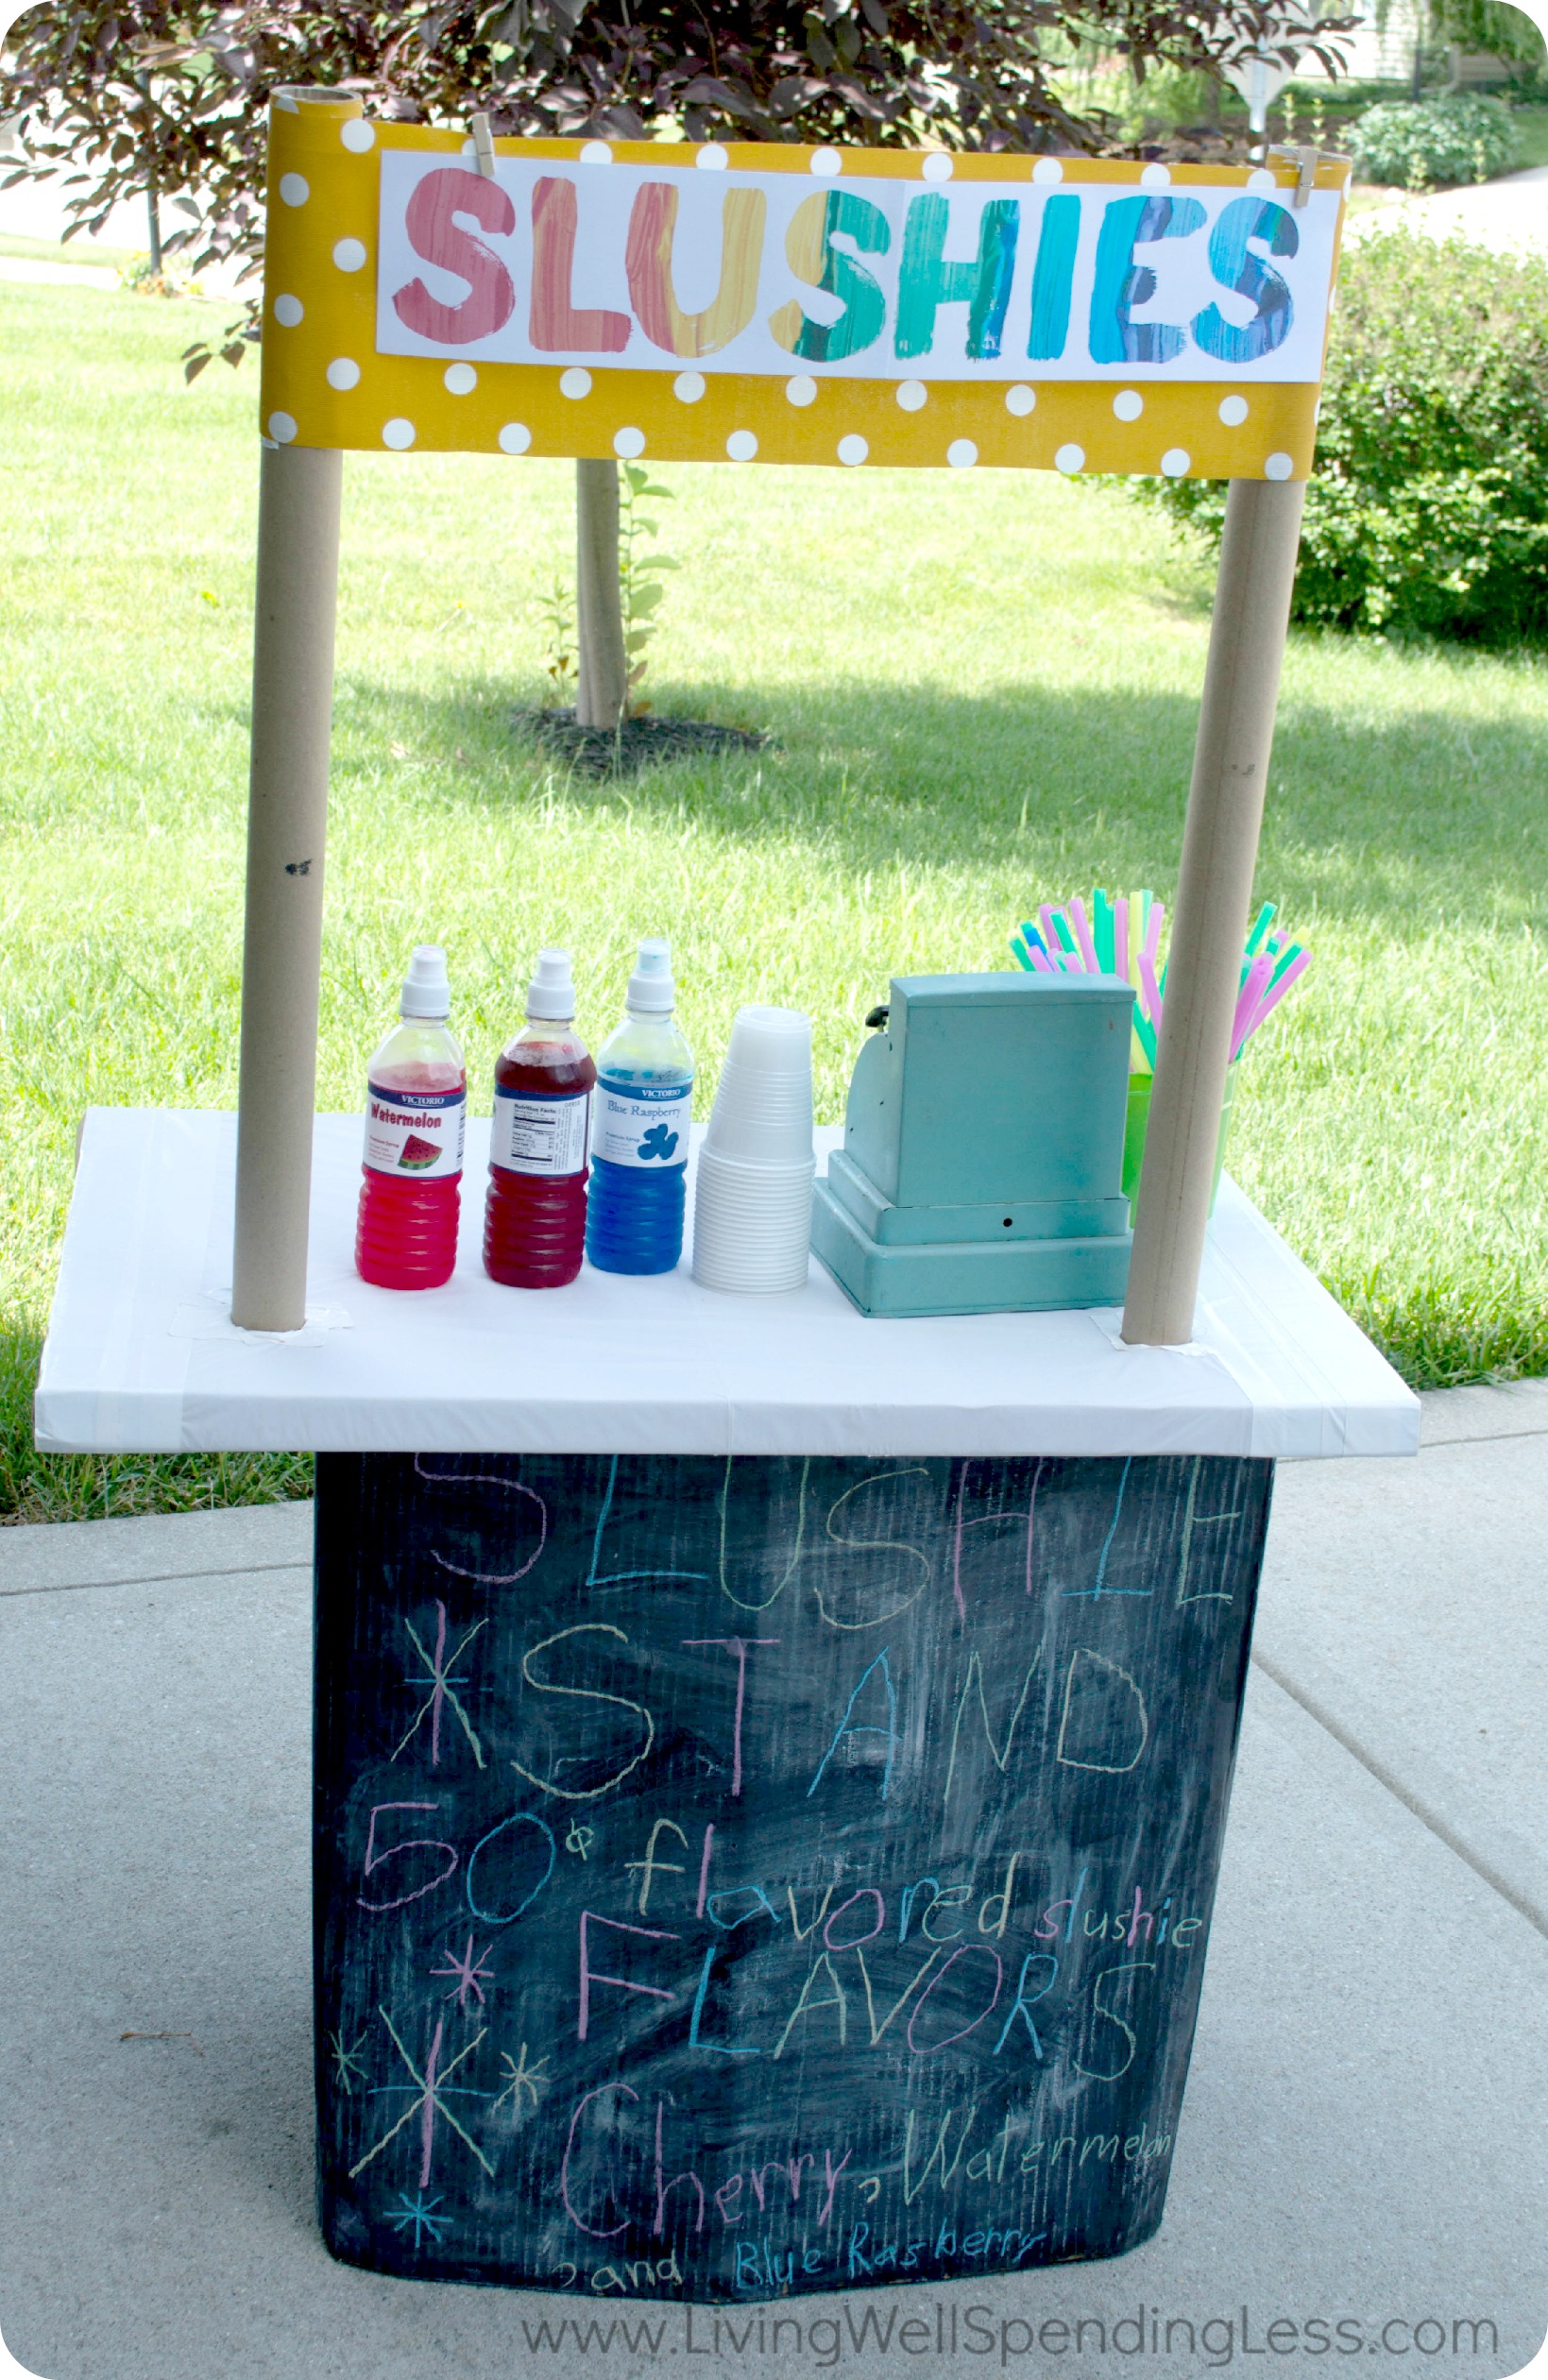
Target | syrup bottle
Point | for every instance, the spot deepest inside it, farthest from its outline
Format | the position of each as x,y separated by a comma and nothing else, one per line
415,1115
535,1215
645,1096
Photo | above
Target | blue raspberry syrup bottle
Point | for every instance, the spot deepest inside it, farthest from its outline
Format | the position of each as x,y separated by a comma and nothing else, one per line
639,1142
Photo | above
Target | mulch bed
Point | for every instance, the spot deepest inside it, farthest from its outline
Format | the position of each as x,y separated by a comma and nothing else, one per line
635,743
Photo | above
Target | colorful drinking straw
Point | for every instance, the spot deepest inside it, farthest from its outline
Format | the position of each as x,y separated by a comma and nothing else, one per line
1122,937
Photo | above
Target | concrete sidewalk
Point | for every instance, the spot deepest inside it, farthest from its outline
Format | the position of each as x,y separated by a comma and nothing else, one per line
1363,2136
1511,212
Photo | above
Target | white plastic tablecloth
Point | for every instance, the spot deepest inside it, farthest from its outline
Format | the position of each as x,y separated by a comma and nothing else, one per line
142,1355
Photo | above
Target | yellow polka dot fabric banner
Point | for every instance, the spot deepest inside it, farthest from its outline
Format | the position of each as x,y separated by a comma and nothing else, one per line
752,303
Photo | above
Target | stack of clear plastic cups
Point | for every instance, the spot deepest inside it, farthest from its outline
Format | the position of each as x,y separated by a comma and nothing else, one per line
752,1200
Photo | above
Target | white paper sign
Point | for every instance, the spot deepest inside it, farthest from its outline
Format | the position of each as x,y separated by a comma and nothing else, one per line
636,267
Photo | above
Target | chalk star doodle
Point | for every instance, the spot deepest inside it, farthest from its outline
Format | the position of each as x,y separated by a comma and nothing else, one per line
438,1674
470,1978
659,1142
524,2077
420,2212
580,1839
430,2103
347,2063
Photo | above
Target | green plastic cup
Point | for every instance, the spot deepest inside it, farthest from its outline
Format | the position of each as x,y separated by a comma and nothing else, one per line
1137,1117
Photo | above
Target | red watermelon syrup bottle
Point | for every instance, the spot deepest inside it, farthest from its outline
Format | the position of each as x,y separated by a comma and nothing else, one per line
535,1215
416,1116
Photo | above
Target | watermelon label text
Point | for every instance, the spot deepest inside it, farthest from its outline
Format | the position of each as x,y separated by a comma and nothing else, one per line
416,1135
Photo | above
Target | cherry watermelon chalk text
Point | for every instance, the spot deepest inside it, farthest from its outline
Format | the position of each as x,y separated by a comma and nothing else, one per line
757,303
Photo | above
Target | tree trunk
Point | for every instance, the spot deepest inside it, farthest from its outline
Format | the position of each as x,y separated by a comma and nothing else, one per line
602,673
153,194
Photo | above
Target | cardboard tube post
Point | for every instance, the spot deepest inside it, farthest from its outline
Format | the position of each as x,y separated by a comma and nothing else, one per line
602,671
299,491
1213,895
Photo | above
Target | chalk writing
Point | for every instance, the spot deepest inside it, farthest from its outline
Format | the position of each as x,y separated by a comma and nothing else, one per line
523,2081
432,2086
899,1588
438,1673
596,1578
584,1693
850,1730
375,1858
1104,1710
463,1479
1191,1520
738,1647
665,1952
349,2065
540,1827
418,2215
787,1545
975,1677
470,1976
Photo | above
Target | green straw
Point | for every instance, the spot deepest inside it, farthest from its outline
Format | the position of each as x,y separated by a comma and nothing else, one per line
1265,919
1102,930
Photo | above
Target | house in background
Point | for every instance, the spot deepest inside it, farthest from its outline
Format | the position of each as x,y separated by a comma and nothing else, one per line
1385,43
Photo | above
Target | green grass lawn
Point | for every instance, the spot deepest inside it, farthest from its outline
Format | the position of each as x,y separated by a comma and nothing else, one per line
60,251
983,688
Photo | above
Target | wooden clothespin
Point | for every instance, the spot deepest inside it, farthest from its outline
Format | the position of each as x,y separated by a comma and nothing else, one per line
483,145
1306,161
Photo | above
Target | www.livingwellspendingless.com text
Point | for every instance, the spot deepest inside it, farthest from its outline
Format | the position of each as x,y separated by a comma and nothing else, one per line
941,2331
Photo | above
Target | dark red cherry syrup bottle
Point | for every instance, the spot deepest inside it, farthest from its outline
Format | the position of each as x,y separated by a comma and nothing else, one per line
539,1141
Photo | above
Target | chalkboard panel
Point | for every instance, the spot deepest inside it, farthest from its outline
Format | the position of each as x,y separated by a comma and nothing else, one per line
737,1878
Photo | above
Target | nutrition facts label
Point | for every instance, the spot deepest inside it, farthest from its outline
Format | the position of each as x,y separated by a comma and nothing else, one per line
532,1134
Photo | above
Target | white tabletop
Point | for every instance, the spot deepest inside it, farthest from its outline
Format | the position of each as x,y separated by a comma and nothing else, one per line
142,1355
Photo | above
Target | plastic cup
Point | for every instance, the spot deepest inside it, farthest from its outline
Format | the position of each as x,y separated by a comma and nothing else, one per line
772,1040
752,1223
763,1110
1136,1122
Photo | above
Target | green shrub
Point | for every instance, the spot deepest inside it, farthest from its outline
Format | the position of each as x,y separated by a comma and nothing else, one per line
1456,138
1428,512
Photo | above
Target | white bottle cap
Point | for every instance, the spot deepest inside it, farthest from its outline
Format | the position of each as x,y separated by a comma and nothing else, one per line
551,994
651,986
426,991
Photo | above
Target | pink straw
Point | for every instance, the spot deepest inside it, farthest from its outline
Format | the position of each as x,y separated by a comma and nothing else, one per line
1044,966
1050,932
1120,936
1083,935
1279,991
1248,997
1148,985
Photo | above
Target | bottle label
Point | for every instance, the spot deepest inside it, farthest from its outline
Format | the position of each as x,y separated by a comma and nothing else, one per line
535,1135
640,1125
415,1134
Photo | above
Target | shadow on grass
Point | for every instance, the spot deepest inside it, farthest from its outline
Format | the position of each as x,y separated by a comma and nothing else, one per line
1383,821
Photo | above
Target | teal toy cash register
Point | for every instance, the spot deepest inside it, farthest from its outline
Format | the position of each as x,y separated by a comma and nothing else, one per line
982,1164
